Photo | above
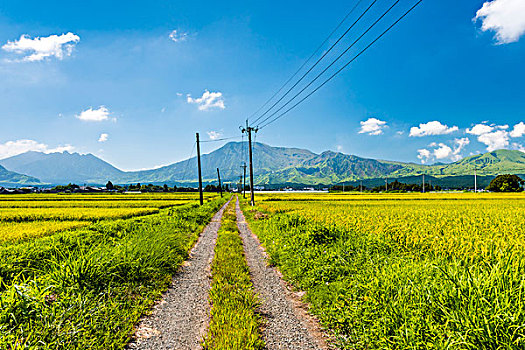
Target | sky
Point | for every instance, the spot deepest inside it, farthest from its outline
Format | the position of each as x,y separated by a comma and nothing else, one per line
132,82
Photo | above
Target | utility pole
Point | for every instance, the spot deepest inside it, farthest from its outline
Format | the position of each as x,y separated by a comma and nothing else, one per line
219,176
423,183
249,131
386,184
244,181
475,180
201,199
361,186
240,184
343,186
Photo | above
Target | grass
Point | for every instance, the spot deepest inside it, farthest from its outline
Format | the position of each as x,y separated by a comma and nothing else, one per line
87,288
16,231
404,273
234,323
108,203
70,213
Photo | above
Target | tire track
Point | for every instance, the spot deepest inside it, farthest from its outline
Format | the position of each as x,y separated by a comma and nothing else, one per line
287,326
180,320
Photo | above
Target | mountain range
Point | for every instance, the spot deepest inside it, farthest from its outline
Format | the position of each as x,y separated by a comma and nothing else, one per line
273,166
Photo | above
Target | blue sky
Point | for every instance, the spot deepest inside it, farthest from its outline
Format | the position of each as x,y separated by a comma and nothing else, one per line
133,81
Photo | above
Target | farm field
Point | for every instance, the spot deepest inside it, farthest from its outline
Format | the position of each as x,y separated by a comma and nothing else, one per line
403,271
78,271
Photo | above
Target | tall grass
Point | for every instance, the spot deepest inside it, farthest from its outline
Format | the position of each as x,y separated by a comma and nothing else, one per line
234,323
377,292
87,288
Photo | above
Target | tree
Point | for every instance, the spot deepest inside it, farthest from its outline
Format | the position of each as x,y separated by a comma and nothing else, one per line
109,185
165,188
506,183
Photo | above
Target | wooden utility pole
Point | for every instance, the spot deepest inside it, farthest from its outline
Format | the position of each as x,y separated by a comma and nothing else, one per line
240,184
201,199
423,183
249,131
219,176
386,184
361,186
244,181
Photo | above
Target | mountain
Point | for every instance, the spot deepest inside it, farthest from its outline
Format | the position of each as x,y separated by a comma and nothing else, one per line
328,168
272,166
228,159
62,168
12,179
490,163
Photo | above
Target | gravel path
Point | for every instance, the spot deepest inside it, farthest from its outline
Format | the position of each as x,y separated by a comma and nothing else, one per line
288,326
180,320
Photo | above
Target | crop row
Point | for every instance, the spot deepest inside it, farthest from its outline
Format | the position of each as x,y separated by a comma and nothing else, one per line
109,197
405,274
16,231
86,288
63,214
93,203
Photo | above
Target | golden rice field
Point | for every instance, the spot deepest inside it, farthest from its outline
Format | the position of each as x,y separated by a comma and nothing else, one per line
78,271
37,215
71,213
404,271
458,224
13,231
107,203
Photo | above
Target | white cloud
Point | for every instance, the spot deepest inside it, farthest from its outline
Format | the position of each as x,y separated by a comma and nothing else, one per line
496,136
424,154
431,128
12,148
372,126
178,36
209,100
459,145
495,140
480,129
214,135
442,151
518,147
518,130
103,137
39,48
504,17
94,115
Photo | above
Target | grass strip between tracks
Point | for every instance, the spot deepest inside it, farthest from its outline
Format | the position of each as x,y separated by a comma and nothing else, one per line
234,322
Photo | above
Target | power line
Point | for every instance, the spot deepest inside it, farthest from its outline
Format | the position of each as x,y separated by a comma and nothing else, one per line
187,162
308,60
222,139
334,61
343,67
317,62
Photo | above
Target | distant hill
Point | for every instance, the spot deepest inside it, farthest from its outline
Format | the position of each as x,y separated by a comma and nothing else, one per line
272,166
228,159
65,167
329,168
12,179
